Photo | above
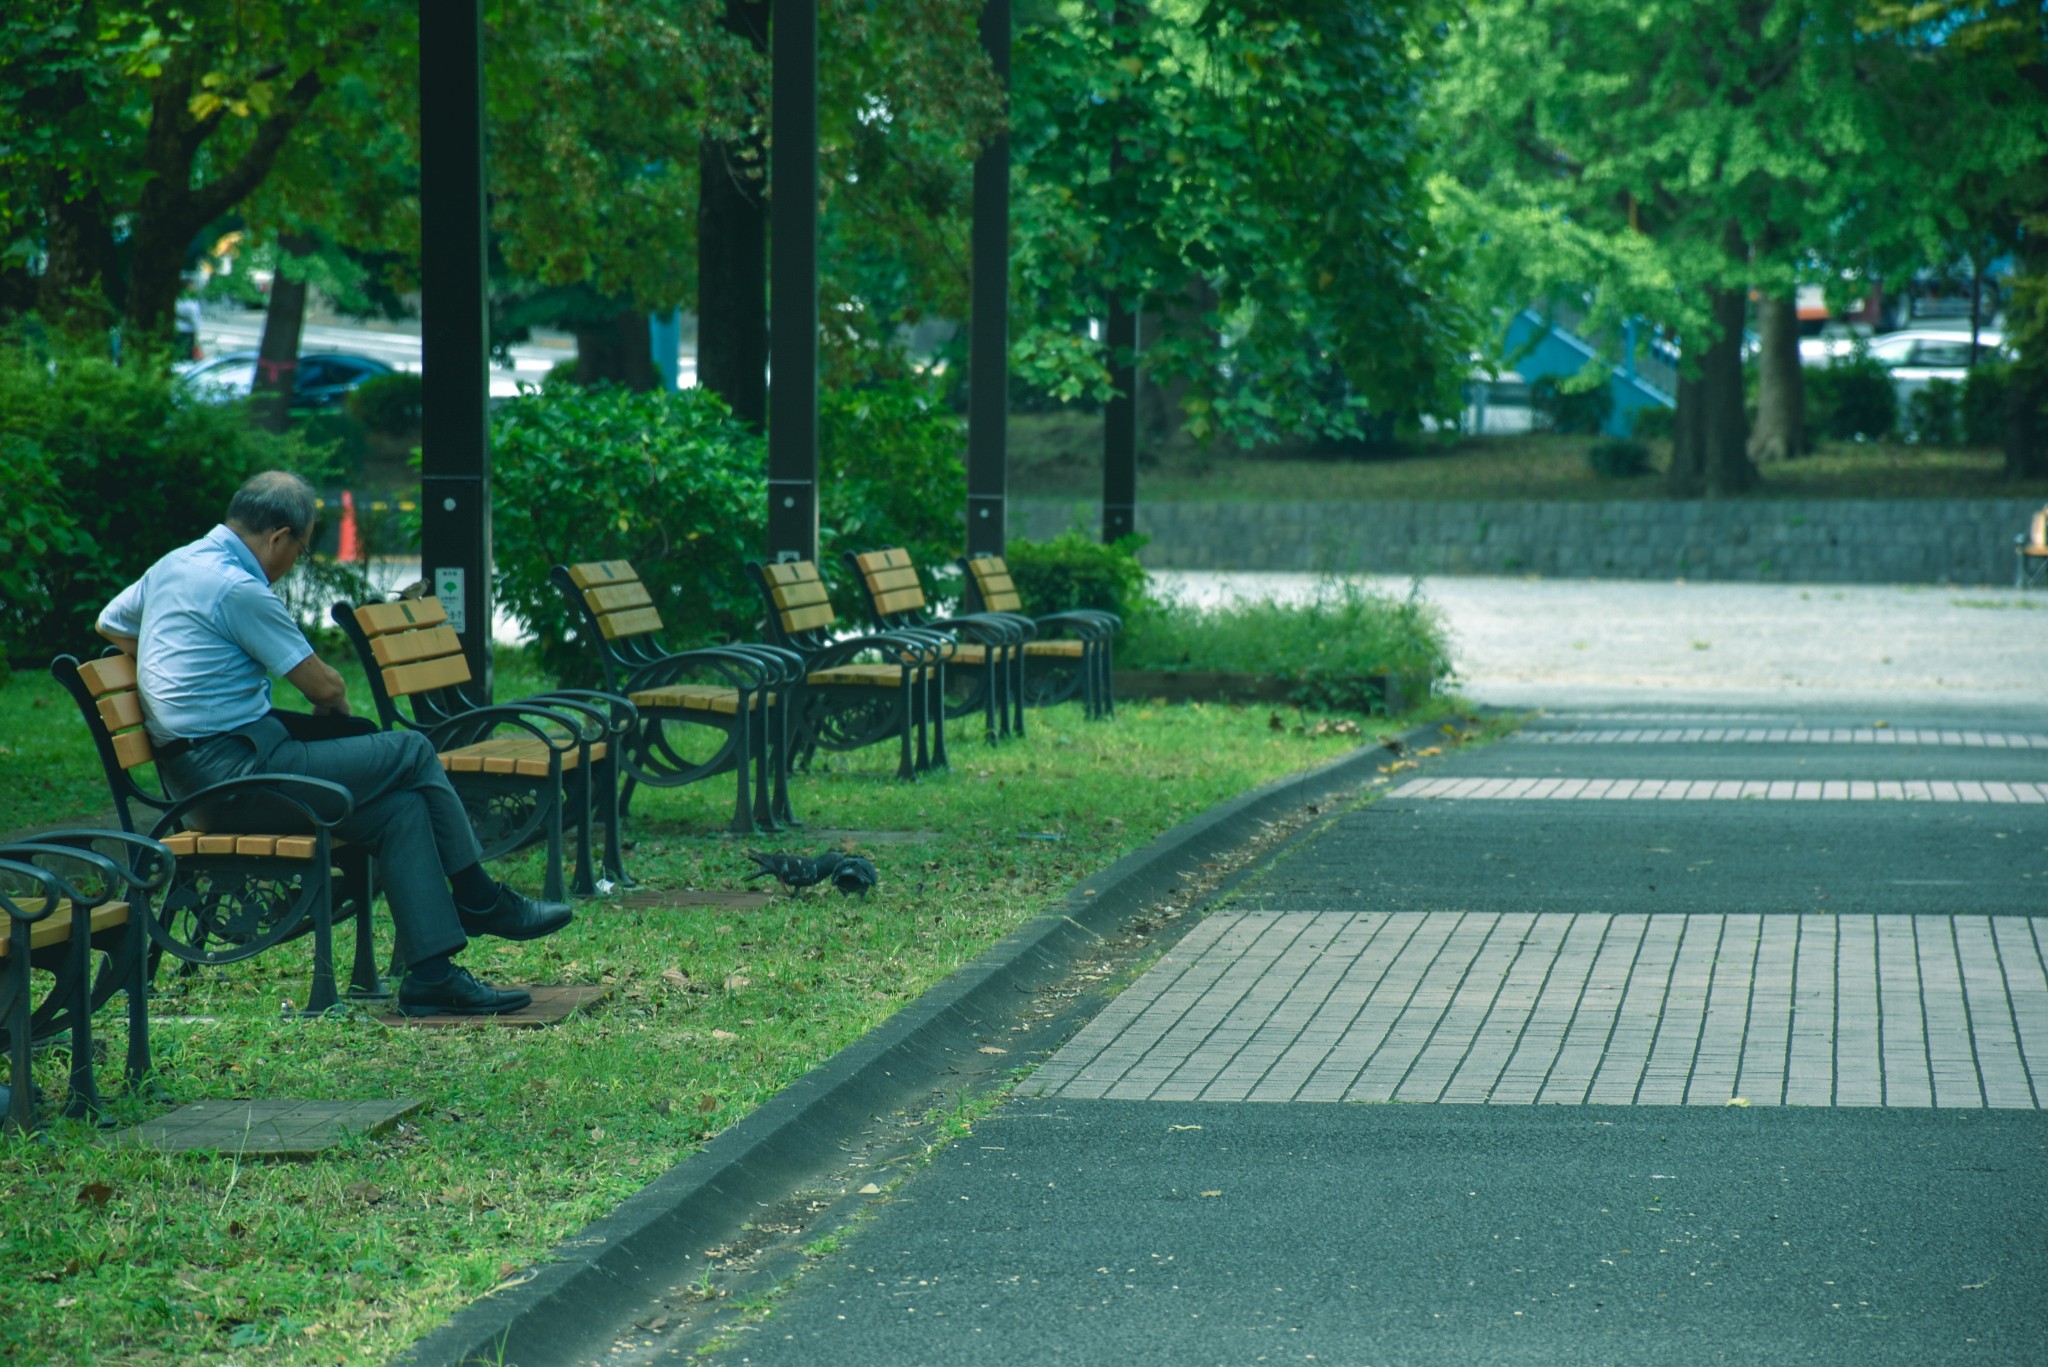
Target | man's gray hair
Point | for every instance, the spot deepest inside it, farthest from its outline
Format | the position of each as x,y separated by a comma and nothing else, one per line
273,499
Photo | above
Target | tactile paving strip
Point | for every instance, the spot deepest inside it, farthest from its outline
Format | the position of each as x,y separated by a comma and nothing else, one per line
1947,1011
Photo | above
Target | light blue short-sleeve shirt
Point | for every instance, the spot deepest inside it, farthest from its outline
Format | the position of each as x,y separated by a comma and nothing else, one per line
211,632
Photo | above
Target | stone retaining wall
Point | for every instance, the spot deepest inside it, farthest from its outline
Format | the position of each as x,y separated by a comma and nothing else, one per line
1864,541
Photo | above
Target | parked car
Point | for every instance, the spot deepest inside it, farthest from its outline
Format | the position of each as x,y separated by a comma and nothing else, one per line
323,381
1915,355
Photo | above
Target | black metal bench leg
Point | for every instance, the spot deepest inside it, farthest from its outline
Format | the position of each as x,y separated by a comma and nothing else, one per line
937,712
361,893
83,1099
777,739
743,760
584,881
323,995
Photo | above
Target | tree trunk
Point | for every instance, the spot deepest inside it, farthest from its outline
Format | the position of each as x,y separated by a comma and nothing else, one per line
1781,386
1709,454
732,254
2026,444
277,359
617,350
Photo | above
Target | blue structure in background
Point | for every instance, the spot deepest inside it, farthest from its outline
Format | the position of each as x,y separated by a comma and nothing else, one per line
1544,347
665,341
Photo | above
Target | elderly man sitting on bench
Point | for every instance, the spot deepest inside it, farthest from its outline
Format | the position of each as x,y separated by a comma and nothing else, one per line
207,631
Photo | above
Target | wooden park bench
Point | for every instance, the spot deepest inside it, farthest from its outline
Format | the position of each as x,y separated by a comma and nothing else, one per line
738,692
2030,552
1068,654
511,763
74,916
237,889
858,690
988,648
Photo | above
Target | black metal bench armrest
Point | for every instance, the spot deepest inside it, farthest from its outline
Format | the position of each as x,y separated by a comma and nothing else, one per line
921,650
477,724
54,890
612,711
324,804
148,864
986,629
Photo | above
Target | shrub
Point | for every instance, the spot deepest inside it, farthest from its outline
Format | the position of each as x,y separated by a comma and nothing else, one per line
390,405
1653,424
1851,398
1333,647
108,467
1984,394
1073,570
890,473
1934,414
1618,459
670,481
1583,412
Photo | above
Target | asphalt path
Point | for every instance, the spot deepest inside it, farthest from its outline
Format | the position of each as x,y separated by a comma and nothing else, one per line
1173,1231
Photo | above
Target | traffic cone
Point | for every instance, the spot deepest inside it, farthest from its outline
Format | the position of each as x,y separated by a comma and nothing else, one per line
351,549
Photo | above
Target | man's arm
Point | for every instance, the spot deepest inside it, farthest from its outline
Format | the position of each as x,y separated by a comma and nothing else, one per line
322,686
121,620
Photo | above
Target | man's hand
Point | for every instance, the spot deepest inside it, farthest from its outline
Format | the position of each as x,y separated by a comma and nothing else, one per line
322,686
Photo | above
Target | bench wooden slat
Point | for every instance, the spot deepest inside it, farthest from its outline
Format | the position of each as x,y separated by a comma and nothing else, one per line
637,622
597,573
55,928
407,647
883,581
618,597
108,674
795,620
882,676
785,572
132,748
695,698
902,600
120,710
521,755
998,589
402,681
892,558
802,594
376,619
1069,650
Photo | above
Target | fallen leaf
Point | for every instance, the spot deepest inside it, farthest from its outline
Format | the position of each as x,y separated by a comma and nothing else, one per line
708,1105
991,1049
66,1302
676,978
596,1133
723,1034
95,1194
663,1106
1178,1128
735,981
1274,722
1212,1193
1738,1101
871,1190
1430,750
366,1192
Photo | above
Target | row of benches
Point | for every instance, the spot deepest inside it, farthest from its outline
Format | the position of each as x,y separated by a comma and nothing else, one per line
535,769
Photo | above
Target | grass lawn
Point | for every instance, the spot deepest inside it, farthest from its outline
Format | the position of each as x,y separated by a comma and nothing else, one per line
1059,455
122,1256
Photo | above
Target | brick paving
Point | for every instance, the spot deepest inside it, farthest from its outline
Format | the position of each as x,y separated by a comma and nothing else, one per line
1724,790
1900,1011
1791,735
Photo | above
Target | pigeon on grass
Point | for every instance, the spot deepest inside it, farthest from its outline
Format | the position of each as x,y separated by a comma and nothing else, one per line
796,871
853,876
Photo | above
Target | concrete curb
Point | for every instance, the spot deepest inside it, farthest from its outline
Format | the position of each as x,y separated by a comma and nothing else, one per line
613,1267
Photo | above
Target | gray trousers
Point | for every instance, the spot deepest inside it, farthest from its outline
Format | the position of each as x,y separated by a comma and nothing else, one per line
406,814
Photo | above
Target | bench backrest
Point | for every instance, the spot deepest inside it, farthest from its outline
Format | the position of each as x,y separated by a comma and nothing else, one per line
889,579
105,692
801,613
618,601
410,652
994,589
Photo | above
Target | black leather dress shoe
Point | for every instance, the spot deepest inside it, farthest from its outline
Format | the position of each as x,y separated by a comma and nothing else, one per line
517,917
461,993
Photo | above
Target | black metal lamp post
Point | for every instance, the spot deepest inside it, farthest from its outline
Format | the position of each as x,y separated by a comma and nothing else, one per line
793,283
455,428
